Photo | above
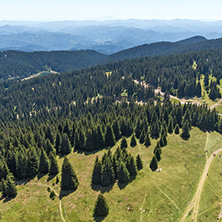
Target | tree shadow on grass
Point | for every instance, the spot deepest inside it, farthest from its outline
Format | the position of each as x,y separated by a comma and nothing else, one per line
101,188
40,175
185,138
64,193
7,199
50,177
24,181
98,219
123,185
86,153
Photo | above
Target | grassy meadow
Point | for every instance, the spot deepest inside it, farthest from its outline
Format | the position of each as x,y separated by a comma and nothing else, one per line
152,196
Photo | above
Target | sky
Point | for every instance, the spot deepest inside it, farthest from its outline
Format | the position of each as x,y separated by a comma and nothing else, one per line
60,10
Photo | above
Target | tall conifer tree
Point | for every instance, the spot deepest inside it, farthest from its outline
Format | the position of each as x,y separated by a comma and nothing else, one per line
101,208
69,178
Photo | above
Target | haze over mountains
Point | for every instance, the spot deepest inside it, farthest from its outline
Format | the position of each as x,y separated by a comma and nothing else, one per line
103,36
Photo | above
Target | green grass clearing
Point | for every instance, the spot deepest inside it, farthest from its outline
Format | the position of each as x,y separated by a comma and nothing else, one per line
153,196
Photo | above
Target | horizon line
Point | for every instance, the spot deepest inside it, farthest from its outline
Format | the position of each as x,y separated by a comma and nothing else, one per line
110,19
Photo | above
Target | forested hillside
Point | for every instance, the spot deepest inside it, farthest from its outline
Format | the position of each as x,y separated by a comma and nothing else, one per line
15,64
177,75
193,44
45,120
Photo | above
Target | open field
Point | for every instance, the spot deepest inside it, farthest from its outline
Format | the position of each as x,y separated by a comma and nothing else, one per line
152,196
43,73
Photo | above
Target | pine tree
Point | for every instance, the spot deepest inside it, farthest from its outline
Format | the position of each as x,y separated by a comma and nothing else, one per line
49,135
133,141
49,147
147,140
131,166
65,146
82,139
139,162
163,141
155,129
66,129
206,81
153,164
219,126
142,137
179,114
100,141
116,130
73,135
198,90
123,175
162,144
138,128
77,141
157,152
109,137
90,145
107,172
12,161
170,126
33,163
101,208
96,175
44,163
10,189
4,171
21,168
123,143
187,116
177,129
164,129
58,142
186,130
3,187
54,168
69,179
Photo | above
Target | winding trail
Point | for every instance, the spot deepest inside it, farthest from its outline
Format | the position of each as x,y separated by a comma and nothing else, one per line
216,104
194,204
60,201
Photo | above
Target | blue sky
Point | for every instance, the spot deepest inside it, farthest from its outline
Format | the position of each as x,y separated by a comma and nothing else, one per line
51,10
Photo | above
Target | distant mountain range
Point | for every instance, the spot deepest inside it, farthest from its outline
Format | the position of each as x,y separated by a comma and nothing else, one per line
106,37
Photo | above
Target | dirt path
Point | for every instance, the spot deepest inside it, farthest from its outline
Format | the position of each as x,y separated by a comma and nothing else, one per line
60,202
194,204
158,91
216,104
38,74
182,101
